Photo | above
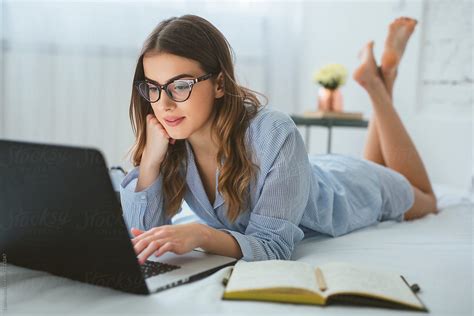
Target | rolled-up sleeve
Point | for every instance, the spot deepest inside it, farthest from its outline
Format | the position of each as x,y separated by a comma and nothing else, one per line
144,209
273,231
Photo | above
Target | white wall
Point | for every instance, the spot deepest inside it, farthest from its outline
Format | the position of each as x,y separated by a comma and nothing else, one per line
443,113
73,63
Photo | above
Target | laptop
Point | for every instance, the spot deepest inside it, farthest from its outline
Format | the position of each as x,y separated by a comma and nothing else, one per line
59,213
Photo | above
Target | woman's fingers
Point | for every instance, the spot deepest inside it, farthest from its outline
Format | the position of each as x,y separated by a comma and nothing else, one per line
149,118
168,246
152,247
136,231
152,120
139,246
142,244
162,231
143,235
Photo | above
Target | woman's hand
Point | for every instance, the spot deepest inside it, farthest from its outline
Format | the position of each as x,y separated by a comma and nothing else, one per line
157,140
178,239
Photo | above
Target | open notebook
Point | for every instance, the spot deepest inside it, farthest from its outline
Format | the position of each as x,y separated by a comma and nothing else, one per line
337,282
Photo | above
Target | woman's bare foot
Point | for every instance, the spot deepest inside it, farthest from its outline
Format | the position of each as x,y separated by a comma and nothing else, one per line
367,74
399,32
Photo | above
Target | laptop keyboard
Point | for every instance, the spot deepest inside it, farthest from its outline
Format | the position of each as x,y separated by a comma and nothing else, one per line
153,268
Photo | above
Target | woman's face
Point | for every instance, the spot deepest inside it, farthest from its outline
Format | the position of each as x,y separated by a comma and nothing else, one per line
197,110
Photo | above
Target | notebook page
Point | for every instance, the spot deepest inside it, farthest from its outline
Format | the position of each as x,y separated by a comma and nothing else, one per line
343,277
271,274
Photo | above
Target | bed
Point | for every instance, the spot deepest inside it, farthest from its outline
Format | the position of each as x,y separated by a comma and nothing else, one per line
434,252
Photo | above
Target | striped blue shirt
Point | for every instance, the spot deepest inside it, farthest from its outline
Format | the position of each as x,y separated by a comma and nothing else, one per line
294,195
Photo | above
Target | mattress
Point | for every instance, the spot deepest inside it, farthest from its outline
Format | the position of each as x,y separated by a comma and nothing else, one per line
435,252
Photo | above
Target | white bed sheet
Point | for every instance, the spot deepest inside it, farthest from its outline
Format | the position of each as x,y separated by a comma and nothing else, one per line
435,252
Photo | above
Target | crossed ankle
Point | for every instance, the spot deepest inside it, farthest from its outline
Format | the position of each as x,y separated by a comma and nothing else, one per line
389,71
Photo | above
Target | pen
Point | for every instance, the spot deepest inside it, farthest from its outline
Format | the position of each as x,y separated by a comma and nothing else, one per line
320,280
226,278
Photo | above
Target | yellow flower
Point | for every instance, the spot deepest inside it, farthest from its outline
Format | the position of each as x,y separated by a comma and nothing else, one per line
331,76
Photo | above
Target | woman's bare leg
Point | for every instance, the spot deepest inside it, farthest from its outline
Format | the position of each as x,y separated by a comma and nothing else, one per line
372,149
397,148
399,31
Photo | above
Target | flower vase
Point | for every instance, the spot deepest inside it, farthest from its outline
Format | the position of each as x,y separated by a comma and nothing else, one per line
330,100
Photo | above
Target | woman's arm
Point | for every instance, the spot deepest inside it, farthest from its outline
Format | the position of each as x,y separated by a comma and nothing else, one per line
142,209
183,238
220,242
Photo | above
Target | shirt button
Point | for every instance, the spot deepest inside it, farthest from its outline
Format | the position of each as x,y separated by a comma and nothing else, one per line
143,197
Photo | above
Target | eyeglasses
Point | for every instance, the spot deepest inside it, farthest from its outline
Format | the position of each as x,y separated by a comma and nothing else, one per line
178,90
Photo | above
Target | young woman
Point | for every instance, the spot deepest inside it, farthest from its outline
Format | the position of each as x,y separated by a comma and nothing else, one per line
243,168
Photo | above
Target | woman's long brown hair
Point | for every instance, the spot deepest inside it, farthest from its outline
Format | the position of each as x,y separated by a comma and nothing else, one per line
195,38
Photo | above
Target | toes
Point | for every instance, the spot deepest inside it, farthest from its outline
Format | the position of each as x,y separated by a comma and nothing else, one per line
369,46
408,19
364,50
403,21
370,50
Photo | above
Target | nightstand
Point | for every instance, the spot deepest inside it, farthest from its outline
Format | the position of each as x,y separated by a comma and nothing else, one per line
327,122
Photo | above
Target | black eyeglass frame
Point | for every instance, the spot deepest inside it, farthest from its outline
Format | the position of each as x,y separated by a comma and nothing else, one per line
191,83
